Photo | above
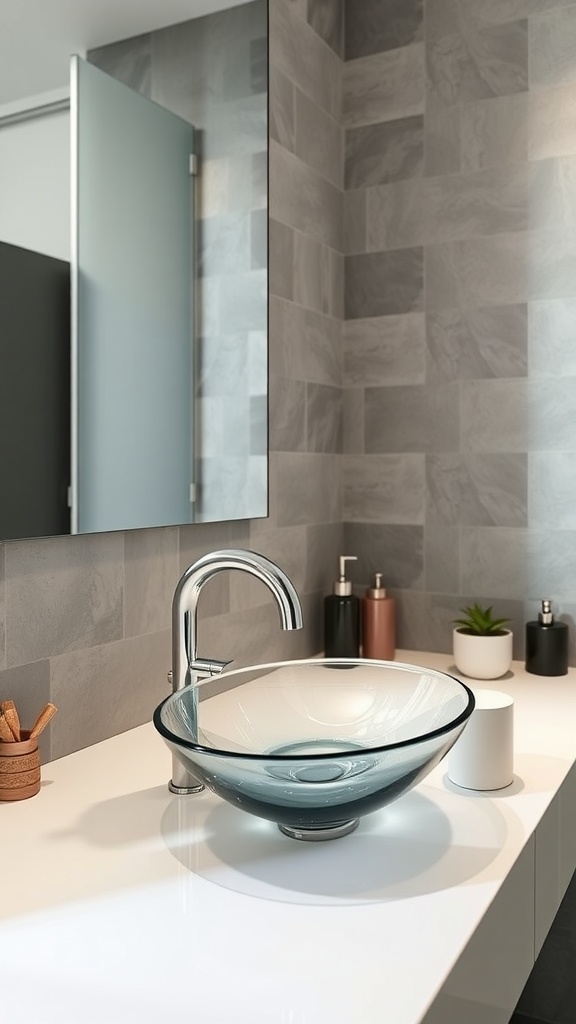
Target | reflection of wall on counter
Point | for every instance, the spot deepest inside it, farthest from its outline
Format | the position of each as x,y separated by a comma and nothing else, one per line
212,71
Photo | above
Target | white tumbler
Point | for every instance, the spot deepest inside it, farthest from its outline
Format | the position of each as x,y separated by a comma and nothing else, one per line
483,756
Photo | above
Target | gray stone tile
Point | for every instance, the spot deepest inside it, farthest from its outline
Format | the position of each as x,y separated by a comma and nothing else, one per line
552,122
516,415
383,488
305,489
315,271
506,562
553,47
445,208
281,259
302,199
489,271
282,104
234,303
130,61
464,67
384,87
442,143
324,418
552,202
288,422
441,559
412,419
353,420
354,213
442,16
424,620
387,350
380,153
494,490
324,545
61,595
497,416
552,256
384,283
150,576
477,490
495,561
394,550
468,343
121,684
327,19
494,132
318,139
29,687
286,547
551,333
299,53
306,345
253,637
372,26
552,490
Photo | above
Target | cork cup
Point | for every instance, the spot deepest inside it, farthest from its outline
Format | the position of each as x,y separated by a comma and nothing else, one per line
19,768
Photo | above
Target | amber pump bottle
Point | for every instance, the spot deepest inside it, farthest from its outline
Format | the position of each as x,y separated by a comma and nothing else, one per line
378,622
547,644
342,617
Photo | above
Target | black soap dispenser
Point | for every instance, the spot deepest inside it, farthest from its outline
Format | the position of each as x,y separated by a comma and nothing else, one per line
342,617
547,644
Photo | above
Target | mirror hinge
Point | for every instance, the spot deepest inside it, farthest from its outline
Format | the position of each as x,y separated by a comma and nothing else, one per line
193,166
192,494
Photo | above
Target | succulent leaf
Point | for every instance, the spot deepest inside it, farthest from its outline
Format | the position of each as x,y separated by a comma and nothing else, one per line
480,621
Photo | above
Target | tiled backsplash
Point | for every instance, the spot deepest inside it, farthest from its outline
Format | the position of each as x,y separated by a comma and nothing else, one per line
459,369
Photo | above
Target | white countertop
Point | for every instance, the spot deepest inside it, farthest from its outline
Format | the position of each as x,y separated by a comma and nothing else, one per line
123,903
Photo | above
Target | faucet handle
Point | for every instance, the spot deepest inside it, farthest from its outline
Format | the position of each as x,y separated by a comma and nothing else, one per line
208,666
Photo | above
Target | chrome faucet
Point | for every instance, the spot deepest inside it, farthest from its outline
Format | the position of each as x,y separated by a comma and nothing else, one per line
187,667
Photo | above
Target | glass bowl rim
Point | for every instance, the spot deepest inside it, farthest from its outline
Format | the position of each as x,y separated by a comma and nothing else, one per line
167,734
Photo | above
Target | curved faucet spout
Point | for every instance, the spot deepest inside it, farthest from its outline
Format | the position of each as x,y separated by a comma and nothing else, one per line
186,666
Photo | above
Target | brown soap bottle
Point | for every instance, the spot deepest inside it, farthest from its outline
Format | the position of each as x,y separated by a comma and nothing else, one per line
378,622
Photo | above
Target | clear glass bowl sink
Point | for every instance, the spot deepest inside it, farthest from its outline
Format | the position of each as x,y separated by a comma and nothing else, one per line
314,745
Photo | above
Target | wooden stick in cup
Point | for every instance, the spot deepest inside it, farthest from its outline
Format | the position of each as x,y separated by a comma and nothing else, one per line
6,734
8,709
41,722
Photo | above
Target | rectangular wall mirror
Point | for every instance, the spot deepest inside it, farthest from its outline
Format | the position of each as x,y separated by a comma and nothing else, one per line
200,431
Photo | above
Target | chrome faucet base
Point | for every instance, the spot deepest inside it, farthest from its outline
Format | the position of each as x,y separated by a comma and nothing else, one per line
184,790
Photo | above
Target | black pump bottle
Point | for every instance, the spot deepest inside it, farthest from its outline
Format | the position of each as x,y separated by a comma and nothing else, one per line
342,617
547,644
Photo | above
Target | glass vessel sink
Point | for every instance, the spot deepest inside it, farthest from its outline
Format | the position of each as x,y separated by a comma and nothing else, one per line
314,745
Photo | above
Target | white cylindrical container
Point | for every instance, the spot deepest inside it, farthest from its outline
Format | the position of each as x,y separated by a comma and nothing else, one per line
483,756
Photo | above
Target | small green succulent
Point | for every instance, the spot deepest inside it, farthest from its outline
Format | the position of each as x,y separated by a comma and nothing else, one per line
480,621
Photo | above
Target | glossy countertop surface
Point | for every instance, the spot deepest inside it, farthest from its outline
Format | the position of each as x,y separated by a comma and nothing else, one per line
123,903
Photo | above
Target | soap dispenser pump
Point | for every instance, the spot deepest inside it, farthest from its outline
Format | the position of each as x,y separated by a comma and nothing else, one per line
546,644
342,617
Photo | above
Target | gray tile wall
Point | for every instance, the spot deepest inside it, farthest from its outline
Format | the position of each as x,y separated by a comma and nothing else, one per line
460,289
85,621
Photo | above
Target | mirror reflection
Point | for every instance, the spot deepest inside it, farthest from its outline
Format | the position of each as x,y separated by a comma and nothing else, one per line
211,72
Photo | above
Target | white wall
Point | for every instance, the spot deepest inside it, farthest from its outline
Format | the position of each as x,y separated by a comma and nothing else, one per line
35,184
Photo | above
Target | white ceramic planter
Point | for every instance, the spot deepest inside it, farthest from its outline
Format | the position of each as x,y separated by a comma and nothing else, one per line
482,657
